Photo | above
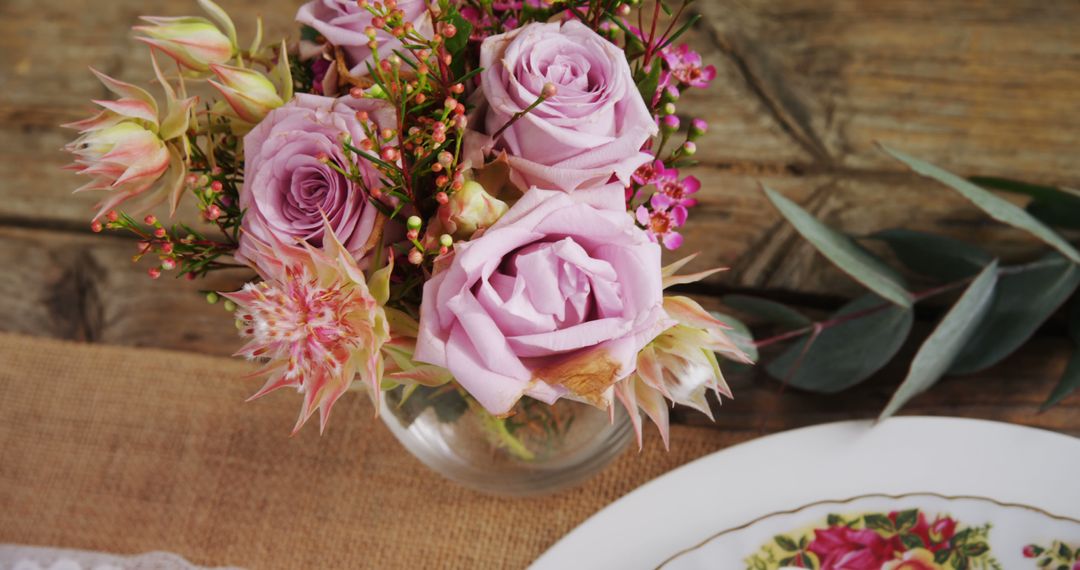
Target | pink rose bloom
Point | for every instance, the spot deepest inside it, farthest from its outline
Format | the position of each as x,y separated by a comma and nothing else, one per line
287,186
342,23
843,548
555,299
591,129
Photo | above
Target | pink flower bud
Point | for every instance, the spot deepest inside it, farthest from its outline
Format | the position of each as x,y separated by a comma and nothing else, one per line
168,264
470,208
150,220
195,43
95,226
249,93
415,256
154,272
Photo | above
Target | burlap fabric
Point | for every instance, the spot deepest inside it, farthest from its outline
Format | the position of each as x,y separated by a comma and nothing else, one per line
131,450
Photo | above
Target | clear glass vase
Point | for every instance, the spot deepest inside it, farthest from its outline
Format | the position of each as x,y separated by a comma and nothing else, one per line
538,449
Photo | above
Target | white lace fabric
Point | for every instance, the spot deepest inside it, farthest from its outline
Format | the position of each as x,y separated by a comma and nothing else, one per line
16,557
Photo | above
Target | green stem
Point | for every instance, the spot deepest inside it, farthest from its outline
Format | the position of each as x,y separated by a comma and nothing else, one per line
503,438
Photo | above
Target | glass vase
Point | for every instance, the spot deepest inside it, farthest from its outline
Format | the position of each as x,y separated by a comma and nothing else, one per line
537,449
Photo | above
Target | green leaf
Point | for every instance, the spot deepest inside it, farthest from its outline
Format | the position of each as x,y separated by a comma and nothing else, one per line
843,251
739,334
1023,301
942,555
648,84
934,255
995,206
942,347
907,518
912,541
786,543
1052,205
770,311
1070,380
834,520
879,522
848,353
456,44
976,549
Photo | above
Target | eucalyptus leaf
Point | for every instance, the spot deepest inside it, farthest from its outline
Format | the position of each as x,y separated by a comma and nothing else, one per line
1054,206
1025,297
941,348
845,354
843,251
1056,214
995,206
934,255
771,311
1070,380
739,334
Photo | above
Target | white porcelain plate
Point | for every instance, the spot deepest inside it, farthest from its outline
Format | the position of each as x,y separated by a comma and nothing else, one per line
907,494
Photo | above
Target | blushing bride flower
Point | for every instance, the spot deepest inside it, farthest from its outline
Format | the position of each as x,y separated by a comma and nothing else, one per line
680,364
124,148
555,299
315,320
290,183
591,129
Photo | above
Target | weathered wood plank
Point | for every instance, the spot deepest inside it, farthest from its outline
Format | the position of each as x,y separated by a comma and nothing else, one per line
81,287
803,89
981,88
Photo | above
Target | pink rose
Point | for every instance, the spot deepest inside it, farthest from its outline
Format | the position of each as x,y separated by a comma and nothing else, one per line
288,187
591,129
557,298
342,23
843,548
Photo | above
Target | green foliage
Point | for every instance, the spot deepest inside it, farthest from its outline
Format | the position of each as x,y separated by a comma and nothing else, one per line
868,333
995,206
935,256
843,251
769,311
1000,309
1070,379
941,349
1054,206
1025,298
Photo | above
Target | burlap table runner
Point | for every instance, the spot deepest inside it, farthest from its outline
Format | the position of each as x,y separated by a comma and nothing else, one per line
131,450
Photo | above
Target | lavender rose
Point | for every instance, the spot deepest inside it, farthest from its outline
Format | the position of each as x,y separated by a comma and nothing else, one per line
593,127
343,24
288,187
556,299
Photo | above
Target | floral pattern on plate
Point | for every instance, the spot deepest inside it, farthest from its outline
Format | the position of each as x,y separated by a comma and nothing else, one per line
915,531
898,540
1057,555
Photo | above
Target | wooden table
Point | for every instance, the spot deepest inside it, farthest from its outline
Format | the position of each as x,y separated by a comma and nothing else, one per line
804,89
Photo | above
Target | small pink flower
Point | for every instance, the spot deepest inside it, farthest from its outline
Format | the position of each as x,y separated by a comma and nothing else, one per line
649,172
1029,551
676,191
685,67
660,222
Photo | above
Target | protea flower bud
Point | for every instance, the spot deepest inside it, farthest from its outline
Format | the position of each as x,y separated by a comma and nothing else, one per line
125,157
469,209
195,43
249,93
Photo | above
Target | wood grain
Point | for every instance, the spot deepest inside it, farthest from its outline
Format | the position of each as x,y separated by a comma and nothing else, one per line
805,88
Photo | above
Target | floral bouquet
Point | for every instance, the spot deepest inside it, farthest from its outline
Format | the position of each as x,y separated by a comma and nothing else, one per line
468,197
